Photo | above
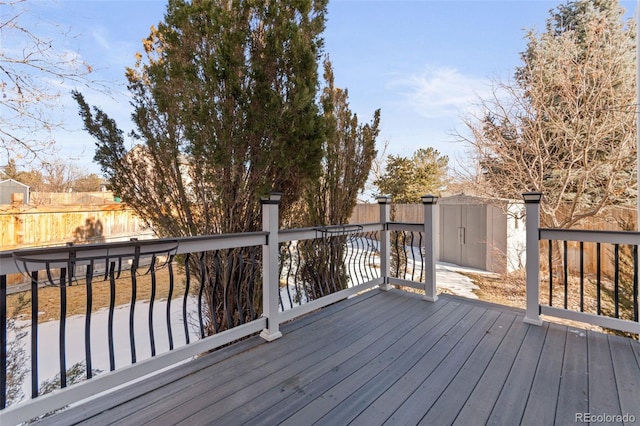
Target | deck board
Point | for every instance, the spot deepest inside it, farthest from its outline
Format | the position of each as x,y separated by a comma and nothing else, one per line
480,404
256,368
379,410
390,362
390,357
573,396
422,398
456,393
152,402
407,374
543,398
627,379
448,314
300,371
510,405
602,380
636,350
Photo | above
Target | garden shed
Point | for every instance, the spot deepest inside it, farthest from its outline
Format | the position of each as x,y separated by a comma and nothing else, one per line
13,192
482,233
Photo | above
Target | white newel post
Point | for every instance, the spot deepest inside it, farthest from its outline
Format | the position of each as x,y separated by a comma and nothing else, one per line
270,275
532,210
385,241
429,202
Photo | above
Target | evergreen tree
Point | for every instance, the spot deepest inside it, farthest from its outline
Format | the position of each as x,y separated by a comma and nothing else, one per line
349,149
225,110
407,179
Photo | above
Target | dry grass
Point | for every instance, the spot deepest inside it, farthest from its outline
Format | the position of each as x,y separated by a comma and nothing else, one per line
510,290
49,297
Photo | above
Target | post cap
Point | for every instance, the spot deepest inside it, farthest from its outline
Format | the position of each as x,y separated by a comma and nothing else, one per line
384,199
429,199
272,197
532,197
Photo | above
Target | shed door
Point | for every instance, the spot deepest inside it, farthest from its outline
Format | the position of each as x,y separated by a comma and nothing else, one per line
474,247
463,235
450,223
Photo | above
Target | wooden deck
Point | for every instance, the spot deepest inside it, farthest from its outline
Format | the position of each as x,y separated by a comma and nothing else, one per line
391,358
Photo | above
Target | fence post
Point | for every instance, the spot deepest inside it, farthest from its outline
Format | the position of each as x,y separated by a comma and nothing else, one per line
430,292
532,210
270,266
385,241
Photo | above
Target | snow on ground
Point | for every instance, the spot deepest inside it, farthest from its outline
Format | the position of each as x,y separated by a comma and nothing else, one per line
48,338
447,277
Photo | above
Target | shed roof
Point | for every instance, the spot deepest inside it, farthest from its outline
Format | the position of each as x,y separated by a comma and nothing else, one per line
476,199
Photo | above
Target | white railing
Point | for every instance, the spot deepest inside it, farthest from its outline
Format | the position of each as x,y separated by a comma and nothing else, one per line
566,280
67,261
384,241
100,265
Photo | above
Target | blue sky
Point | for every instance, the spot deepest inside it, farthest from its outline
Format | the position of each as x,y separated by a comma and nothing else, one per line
423,63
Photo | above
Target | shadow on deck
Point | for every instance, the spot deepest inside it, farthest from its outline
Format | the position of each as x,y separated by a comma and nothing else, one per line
391,357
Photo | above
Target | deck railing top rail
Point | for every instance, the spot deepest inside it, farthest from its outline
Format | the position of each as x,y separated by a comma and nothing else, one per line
183,245
309,233
590,235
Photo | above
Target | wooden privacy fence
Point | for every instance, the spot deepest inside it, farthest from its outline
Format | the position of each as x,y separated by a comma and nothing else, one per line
30,226
616,219
24,226
369,213
71,198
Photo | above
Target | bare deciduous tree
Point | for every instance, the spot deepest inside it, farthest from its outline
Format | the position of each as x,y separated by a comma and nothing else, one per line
566,126
29,61
60,176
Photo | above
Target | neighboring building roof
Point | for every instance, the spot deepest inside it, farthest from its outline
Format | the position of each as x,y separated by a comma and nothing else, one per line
13,181
8,187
